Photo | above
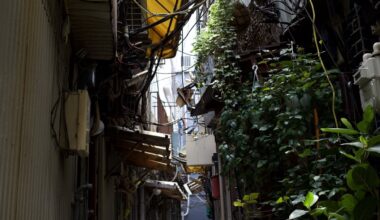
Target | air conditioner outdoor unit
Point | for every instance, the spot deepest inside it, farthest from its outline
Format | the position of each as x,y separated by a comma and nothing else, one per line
77,115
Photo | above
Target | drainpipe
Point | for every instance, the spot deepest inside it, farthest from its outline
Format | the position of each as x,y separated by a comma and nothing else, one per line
142,202
221,187
187,208
187,204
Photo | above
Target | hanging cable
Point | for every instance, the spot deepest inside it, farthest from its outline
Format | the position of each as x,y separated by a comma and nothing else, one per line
183,12
152,70
322,64
165,40
184,38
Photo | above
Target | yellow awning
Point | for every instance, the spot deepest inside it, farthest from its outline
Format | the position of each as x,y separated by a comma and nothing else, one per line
160,31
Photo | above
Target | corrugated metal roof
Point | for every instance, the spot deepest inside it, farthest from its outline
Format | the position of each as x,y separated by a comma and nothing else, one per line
91,28
36,182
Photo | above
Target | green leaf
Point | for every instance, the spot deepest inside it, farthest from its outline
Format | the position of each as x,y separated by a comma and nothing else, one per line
245,197
369,114
366,175
319,211
330,205
373,141
351,182
365,208
360,153
238,203
368,118
375,149
348,202
359,194
354,144
261,163
340,130
254,196
307,152
279,200
251,198
364,141
310,200
252,201
346,123
349,138
333,71
282,199
336,216
363,126
350,156
297,213
362,177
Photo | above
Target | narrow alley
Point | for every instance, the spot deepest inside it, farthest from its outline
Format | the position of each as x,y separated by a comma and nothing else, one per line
189,109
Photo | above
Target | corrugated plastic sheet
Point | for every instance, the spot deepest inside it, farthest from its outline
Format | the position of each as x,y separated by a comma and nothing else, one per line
36,182
160,31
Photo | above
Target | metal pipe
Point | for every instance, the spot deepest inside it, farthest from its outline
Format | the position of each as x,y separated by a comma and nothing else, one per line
221,188
142,202
188,204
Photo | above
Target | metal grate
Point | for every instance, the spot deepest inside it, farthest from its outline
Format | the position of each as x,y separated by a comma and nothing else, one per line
186,61
134,16
358,36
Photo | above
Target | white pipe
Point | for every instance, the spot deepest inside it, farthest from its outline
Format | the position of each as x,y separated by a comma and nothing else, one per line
187,208
176,173
188,204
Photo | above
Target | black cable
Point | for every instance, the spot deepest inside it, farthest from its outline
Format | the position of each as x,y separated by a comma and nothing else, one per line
151,75
320,36
167,38
170,16
182,40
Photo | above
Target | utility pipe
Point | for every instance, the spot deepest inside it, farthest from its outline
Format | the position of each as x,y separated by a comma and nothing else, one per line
188,204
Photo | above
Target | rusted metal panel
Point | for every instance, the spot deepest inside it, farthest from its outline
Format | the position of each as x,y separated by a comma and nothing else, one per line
36,181
92,27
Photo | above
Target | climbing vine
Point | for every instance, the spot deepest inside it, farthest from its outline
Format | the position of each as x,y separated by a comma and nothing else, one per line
268,132
219,41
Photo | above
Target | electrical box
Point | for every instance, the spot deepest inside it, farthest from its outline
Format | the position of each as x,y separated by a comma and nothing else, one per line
368,79
77,117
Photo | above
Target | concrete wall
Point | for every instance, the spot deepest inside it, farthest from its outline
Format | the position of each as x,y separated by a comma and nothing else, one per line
36,181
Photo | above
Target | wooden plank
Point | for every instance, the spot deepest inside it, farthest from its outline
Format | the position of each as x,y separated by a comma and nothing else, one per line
150,164
150,138
128,145
148,156
170,189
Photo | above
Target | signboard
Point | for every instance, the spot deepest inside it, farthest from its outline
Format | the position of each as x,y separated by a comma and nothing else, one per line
199,150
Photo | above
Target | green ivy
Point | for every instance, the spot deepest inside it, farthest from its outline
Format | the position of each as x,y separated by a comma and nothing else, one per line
266,133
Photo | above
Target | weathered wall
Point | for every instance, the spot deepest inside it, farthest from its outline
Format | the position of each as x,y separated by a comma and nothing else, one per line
36,182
